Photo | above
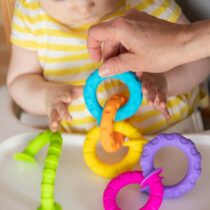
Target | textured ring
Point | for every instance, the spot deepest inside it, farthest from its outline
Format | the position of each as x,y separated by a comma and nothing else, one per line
135,145
153,181
110,140
129,109
189,149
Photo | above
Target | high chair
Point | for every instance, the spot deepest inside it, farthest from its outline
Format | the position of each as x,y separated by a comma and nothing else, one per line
11,123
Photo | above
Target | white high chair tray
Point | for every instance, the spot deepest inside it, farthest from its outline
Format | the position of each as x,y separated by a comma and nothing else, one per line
77,188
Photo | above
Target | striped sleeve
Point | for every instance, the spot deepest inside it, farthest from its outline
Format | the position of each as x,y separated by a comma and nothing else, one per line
164,9
23,27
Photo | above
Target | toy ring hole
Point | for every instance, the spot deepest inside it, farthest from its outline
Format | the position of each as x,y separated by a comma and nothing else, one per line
110,158
129,197
174,162
106,84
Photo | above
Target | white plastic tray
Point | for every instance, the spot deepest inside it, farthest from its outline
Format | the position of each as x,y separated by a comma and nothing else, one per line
77,188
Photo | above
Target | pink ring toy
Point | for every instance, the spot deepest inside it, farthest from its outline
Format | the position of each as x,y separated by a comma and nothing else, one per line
154,181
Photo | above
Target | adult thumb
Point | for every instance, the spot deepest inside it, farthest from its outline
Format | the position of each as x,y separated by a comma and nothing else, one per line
116,65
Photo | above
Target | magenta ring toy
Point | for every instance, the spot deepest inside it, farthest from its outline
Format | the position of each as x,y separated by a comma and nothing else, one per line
189,149
135,177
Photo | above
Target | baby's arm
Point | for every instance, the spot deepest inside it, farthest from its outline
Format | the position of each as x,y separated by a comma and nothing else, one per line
35,95
184,78
25,81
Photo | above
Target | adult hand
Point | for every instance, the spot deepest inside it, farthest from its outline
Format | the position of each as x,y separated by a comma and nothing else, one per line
138,42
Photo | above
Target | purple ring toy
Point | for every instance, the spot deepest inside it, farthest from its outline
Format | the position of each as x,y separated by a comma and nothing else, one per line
154,181
189,149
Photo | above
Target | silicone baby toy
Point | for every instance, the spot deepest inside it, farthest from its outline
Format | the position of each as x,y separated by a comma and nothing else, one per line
110,140
112,134
129,109
135,177
189,149
51,163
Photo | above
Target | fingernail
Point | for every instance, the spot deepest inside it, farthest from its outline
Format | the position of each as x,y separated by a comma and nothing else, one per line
104,71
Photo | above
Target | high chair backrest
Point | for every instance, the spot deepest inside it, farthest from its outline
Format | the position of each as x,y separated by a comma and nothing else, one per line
7,7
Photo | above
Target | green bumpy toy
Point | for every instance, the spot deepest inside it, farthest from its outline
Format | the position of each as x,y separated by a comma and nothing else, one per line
51,162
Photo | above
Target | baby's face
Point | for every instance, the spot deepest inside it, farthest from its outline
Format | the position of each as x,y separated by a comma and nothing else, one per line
76,12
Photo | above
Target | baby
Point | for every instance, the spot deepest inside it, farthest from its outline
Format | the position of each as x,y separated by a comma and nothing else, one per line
50,63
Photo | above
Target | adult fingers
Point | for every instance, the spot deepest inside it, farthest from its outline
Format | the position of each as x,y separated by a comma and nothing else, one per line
110,49
116,65
96,36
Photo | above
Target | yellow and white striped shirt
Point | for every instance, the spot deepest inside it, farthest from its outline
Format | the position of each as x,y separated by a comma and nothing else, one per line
64,58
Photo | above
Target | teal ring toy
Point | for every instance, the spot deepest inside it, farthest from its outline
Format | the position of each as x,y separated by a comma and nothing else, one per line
126,111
